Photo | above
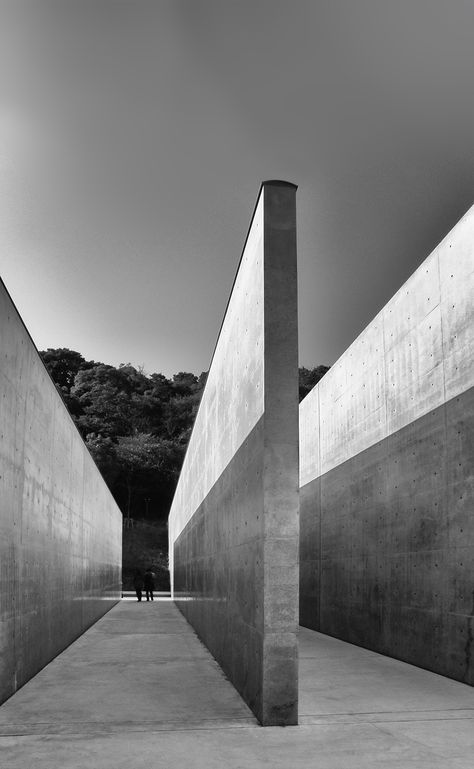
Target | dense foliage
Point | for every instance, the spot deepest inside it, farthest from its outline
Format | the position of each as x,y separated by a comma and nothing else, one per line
135,425
308,377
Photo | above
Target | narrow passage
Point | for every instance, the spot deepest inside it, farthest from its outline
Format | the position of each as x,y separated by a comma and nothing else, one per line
139,690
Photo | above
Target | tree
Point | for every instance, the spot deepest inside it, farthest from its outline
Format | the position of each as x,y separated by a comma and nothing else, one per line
104,396
309,377
181,414
185,383
136,426
142,458
104,453
63,365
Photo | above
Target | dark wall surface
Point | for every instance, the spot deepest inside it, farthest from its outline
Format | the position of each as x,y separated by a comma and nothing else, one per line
234,519
387,461
60,529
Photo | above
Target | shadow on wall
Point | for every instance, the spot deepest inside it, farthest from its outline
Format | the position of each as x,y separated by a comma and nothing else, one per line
387,475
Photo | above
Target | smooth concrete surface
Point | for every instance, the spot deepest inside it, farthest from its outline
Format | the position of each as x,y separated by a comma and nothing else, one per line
387,475
234,519
139,690
60,529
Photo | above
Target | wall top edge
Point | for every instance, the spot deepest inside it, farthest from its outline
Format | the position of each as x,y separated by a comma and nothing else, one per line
279,183
264,187
252,218
259,195
58,393
379,315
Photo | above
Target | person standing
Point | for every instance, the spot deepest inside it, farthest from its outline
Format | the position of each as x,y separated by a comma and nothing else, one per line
138,584
149,582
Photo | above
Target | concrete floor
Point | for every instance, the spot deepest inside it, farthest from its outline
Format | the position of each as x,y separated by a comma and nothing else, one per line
139,691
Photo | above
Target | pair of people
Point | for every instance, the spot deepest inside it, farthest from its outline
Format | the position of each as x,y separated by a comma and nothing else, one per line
147,582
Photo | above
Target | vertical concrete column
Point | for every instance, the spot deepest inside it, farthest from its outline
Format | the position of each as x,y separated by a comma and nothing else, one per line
281,477
234,519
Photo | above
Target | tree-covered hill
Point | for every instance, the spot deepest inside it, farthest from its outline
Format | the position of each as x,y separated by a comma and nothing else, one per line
135,425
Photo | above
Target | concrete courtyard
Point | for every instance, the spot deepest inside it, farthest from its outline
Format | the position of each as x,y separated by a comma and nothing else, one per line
139,691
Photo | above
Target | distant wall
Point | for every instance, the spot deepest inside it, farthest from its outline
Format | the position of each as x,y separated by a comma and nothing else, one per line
234,519
387,475
60,529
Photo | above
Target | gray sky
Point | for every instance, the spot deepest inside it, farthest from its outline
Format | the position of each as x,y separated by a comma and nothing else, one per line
135,135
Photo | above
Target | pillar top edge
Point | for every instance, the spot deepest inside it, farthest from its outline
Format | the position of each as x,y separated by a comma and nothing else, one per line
279,183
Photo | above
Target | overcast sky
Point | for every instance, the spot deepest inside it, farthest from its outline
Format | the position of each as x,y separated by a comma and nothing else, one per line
135,135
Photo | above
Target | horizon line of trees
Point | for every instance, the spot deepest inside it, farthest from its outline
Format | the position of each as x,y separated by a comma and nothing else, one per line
136,425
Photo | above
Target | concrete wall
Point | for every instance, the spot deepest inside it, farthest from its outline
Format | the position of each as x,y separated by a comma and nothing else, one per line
60,529
387,475
234,518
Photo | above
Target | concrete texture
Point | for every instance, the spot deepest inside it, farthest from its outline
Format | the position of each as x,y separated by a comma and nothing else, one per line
387,475
234,518
140,667
60,529
139,690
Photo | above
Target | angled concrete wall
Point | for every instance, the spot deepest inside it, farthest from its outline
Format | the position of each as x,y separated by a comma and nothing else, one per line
60,529
234,519
387,475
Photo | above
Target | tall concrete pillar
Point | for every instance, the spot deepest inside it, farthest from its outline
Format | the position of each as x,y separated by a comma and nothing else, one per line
234,519
281,480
